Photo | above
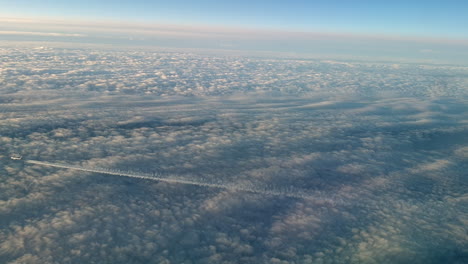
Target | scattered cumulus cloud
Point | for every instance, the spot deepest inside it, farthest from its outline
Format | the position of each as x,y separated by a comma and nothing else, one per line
389,169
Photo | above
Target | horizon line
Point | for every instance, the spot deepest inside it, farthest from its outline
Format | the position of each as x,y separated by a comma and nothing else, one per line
200,30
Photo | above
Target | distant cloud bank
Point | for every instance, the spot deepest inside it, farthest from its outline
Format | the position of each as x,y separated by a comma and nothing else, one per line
331,44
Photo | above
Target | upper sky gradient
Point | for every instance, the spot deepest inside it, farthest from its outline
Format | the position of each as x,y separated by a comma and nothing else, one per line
444,19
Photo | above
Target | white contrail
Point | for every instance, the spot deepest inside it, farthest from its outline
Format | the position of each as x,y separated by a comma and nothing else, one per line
156,177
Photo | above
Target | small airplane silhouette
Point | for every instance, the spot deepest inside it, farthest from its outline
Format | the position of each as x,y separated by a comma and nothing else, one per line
16,157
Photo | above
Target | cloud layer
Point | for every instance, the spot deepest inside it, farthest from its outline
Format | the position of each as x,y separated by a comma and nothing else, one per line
386,142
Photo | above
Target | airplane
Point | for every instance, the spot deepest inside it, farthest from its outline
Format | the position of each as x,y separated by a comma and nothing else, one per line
16,157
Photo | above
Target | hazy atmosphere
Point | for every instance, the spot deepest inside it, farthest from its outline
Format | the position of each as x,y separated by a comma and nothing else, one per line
163,133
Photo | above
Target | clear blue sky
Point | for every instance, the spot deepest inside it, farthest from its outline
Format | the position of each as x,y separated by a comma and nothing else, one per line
443,18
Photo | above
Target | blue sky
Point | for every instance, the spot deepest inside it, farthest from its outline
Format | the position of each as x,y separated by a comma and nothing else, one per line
408,18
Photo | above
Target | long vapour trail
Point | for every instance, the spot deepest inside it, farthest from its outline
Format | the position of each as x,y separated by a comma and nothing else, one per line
226,186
